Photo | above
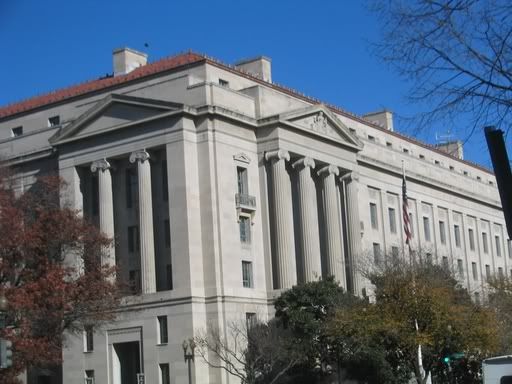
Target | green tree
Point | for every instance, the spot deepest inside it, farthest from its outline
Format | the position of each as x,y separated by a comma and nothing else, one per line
500,300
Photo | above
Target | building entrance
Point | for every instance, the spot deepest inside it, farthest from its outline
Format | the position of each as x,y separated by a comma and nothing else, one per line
126,362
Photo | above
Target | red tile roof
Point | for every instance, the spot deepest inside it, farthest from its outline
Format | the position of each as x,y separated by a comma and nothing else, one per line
100,84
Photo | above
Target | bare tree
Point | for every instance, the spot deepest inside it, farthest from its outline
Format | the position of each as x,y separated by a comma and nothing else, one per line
254,353
456,53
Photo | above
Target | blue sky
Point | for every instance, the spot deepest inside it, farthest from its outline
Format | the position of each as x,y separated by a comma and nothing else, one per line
319,48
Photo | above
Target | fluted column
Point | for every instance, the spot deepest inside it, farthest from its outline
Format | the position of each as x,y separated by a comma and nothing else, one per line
106,208
147,246
311,264
335,258
285,271
354,227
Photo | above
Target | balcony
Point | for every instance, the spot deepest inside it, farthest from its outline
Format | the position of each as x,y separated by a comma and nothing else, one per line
245,204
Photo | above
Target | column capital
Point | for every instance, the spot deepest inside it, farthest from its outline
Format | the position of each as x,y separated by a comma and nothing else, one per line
140,155
278,154
350,176
329,170
304,162
101,165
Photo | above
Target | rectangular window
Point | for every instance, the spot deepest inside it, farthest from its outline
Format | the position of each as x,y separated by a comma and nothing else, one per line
509,246
131,187
89,376
241,176
165,374
88,339
165,184
54,121
373,216
392,220
17,131
163,337
247,274
460,267
426,228
133,239
471,236
442,232
445,262
498,245
376,253
250,320
429,258
456,232
134,281
395,253
500,272
245,229
475,271
487,272
371,138
388,144
224,83
167,233
168,270
484,242
411,224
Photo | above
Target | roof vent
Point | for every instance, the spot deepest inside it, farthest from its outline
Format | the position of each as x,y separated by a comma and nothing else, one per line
260,67
126,60
382,118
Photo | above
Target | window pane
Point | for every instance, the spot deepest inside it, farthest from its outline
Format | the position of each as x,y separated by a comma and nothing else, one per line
426,228
241,174
247,274
471,239
456,230
245,229
475,271
498,245
442,232
165,375
376,253
392,220
460,267
373,216
162,329
487,271
484,242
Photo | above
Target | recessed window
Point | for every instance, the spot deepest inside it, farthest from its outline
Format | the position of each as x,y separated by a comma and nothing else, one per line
411,225
133,239
445,262
456,232
491,182
88,340
429,258
241,178
167,233
168,273
250,320
442,232
500,272
460,267
465,173
245,229
479,178
373,216
247,274
165,374
131,187
475,271
405,150
394,253
392,220
371,138
163,335
134,281
471,237
437,162
422,157
487,272
376,253
388,144
89,376
426,228
498,245
17,131
54,121
352,130
452,168
224,83
484,242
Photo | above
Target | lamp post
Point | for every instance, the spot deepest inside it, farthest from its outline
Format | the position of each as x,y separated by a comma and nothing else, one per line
3,311
188,353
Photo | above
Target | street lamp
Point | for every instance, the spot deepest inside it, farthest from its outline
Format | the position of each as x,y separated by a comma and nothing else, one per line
188,353
3,311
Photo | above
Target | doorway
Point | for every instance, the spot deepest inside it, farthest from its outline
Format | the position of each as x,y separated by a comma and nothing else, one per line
126,362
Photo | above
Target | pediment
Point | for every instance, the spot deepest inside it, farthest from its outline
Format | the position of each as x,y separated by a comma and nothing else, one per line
319,120
113,112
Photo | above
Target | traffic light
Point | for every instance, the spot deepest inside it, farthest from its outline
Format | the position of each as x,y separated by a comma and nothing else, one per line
5,353
446,359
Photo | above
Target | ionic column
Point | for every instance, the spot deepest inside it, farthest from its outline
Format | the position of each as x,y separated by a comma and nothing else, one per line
354,228
285,267
335,259
106,208
147,246
311,264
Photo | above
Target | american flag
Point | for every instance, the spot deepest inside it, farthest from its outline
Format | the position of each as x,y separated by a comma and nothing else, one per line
405,210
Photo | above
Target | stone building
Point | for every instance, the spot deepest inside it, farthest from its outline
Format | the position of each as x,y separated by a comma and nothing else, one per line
222,189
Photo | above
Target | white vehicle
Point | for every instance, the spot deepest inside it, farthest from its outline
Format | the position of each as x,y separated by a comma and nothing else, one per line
497,370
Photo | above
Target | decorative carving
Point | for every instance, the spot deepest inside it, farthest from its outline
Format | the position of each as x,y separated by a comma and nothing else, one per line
278,155
101,165
304,162
242,157
140,155
329,170
319,123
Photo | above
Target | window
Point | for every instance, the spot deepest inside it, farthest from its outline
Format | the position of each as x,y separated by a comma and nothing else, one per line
484,242
371,138
460,267
165,186
394,253
422,157
487,272
475,271
133,239
250,320
134,281
388,144
373,216
477,298
163,337
437,162
451,168
509,246
500,272
471,236
429,258
165,374
465,173
498,245
426,228
224,83
89,376
88,340
352,130
411,225
167,234
245,229
131,187
445,262
241,176
17,131
376,253
442,232
392,220
54,121
247,274
479,178
405,150
168,271
456,232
